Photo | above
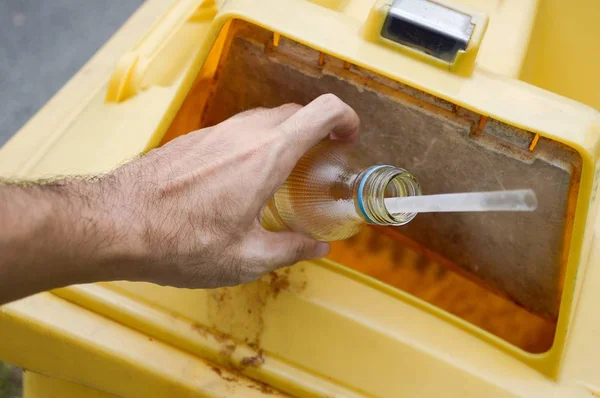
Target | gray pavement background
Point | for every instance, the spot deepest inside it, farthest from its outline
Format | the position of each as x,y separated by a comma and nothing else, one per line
43,43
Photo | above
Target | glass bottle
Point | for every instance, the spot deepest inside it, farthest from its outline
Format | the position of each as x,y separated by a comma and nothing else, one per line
334,191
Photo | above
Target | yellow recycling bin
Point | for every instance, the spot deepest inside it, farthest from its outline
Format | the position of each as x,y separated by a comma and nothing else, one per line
469,95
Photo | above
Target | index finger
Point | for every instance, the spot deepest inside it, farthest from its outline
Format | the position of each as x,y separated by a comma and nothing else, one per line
325,116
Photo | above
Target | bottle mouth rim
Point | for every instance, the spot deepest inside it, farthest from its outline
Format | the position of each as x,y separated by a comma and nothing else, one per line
375,211
361,189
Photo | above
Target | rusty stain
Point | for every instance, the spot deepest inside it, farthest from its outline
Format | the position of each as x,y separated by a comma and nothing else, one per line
226,377
255,360
482,121
198,328
276,37
216,370
238,312
204,331
232,376
279,282
226,352
228,346
347,65
534,142
230,379
321,58
265,389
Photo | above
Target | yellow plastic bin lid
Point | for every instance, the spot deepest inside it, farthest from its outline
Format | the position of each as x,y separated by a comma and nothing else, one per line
322,328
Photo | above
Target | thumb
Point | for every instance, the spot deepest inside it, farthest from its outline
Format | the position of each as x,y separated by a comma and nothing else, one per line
287,248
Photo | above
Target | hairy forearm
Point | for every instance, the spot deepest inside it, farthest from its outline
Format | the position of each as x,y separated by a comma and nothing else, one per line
56,234
186,214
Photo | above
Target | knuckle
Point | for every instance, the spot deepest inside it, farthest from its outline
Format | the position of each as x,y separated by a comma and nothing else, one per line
332,103
256,112
289,107
338,111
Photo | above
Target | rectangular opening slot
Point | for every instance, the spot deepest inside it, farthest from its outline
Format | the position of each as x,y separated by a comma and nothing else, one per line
502,272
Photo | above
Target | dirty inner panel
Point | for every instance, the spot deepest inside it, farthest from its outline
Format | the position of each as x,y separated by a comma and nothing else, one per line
519,255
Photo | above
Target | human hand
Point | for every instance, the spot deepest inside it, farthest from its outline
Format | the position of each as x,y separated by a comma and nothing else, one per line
186,214
192,208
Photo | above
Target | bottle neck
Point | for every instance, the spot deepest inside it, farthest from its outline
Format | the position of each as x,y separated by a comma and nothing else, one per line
379,182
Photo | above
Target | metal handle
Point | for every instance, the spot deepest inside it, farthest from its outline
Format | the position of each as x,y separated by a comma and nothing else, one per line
428,27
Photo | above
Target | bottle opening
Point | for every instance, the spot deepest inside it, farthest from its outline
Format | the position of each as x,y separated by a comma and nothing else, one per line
381,182
402,185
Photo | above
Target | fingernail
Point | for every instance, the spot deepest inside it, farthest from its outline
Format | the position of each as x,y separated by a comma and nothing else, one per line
322,249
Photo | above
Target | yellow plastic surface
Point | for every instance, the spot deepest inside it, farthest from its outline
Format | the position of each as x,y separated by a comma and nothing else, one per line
318,329
51,336
155,60
565,60
39,386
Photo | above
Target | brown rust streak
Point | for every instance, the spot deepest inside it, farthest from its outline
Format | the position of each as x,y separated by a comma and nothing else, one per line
238,312
279,282
216,370
479,127
232,376
230,372
227,344
255,360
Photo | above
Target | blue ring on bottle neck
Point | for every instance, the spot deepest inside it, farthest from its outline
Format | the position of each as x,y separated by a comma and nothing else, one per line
361,188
